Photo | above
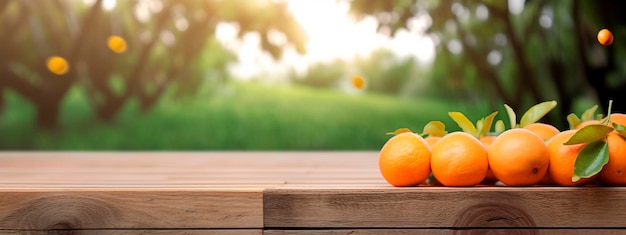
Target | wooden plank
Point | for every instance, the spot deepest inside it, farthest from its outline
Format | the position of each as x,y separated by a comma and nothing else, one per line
139,232
190,160
184,169
130,209
445,207
446,231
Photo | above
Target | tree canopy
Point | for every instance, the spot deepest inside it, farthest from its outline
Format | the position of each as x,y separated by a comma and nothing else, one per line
521,55
165,38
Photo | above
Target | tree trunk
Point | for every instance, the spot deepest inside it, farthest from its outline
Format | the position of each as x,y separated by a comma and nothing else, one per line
48,111
107,111
2,102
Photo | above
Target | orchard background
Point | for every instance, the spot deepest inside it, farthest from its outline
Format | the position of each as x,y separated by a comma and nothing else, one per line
276,75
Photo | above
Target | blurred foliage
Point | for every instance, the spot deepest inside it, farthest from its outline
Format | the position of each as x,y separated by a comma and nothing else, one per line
170,44
251,117
385,72
546,51
322,74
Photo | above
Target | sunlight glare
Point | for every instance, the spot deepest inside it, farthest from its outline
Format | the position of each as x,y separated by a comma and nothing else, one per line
109,5
334,34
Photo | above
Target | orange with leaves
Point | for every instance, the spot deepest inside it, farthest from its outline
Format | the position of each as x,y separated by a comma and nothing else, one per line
518,157
480,131
614,172
459,159
618,118
563,158
404,160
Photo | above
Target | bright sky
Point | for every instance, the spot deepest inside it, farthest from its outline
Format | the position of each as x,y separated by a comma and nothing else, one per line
331,34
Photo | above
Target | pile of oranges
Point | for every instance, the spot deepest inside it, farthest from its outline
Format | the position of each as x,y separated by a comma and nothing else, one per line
526,154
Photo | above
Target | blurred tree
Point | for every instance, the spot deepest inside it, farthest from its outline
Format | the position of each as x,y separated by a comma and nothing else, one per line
322,75
165,39
385,71
523,54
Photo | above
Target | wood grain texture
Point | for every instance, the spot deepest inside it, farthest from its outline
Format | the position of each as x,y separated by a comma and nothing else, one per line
185,169
447,231
431,207
147,209
137,232
273,193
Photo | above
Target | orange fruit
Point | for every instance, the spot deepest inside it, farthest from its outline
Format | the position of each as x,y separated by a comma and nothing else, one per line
544,131
358,82
618,118
563,158
587,123
432,140
459,159
614,172
117,44
546,180
57,65
605,37
487,140
404,160
518,157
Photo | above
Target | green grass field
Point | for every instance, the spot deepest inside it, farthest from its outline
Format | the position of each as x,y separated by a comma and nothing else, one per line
247,117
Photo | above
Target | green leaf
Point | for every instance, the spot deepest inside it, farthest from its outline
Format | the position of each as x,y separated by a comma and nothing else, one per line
590,160
621,129
432,181
573,121
537,112
589,134
499,126
484,131
435,128
599,116
479,127
399,131
512,117
589,114
465,124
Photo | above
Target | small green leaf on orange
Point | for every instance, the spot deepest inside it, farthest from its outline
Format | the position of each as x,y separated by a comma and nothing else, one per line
536,112
590,160
465,124
512,116
499,128
573,121
484,130
621,129
589,114
435,128
479,127
399,131
589,134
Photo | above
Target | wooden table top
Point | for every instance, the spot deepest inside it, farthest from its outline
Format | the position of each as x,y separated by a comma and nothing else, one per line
192,170
273,193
